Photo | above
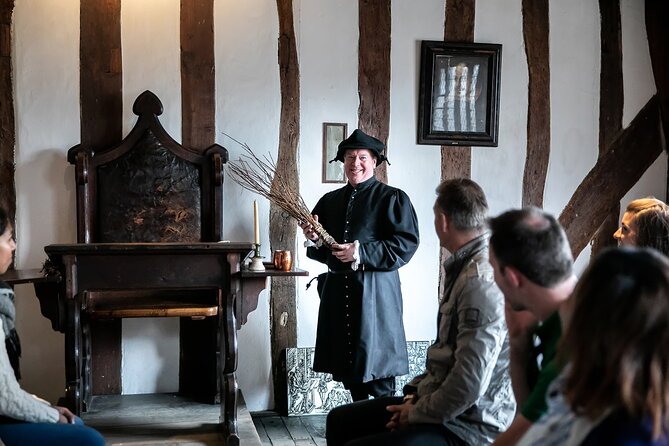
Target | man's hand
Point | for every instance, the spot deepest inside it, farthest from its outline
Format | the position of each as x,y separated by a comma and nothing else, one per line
308,229
64,415
400,418
343,252
519,323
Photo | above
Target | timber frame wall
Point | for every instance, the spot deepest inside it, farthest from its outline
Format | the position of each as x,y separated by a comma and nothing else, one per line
624,154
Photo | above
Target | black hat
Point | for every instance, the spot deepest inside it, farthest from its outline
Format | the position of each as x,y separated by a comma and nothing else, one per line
361,140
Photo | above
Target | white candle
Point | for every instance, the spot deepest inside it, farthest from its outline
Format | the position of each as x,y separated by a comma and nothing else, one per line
256,230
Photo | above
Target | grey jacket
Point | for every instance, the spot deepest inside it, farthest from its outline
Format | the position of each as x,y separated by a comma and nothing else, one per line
466,385
15,402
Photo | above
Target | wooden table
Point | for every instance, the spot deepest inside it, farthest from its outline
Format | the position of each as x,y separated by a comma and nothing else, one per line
125,279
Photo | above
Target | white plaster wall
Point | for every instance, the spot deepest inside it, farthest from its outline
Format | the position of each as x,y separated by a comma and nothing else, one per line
411,23
46,82
639,87
499,170
248,101
248,109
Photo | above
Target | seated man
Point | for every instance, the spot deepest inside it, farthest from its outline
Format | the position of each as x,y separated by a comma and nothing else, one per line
530,254
464,397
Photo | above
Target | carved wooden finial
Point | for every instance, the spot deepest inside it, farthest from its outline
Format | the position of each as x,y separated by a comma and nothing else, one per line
147,102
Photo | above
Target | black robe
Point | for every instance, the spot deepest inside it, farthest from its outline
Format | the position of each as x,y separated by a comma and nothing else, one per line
360,335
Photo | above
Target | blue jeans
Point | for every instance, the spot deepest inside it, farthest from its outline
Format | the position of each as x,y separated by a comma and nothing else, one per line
55,434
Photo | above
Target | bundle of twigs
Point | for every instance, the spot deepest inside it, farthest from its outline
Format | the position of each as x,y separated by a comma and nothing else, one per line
260,176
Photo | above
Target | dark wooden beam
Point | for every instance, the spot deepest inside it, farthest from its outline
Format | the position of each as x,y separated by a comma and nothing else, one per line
100,73
629,156
459,21
101,126
282,230
374,20
198,339
657,30
611,98
7,132
535,36
198,108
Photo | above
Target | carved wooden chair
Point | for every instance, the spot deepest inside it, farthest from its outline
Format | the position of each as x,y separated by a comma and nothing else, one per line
149,188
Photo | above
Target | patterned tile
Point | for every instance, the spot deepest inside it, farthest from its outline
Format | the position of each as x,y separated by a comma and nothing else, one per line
312,393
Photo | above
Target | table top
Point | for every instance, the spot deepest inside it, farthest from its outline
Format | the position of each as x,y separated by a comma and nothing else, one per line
163,248
19,276
270,270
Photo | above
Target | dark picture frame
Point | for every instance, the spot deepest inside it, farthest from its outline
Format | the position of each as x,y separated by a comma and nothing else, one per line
458,98
333,134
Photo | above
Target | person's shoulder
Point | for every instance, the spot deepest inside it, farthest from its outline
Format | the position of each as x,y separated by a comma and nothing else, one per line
478,285
391,191
333,193
479,266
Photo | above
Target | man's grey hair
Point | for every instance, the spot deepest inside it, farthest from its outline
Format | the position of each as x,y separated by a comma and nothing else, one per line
463,202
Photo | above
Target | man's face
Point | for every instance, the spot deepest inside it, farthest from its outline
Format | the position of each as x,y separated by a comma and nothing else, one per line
627,232
439,224
510,292
359,165
7,247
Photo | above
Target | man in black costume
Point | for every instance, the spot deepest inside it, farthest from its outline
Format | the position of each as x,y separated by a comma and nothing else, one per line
360,338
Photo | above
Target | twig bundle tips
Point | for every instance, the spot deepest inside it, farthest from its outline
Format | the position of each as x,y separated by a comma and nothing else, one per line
260,176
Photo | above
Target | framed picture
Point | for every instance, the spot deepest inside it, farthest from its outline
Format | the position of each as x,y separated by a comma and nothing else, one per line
333,134
458,98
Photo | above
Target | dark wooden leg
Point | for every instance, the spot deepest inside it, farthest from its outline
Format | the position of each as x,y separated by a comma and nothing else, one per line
105,360
228,333
86,361
73,382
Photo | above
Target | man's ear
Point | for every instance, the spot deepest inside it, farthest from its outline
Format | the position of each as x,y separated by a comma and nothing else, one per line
514,277
443,222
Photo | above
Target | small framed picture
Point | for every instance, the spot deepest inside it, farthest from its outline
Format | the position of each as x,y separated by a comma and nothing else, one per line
458,102
333,134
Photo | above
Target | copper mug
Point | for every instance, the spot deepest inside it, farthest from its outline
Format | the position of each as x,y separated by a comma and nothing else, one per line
283,260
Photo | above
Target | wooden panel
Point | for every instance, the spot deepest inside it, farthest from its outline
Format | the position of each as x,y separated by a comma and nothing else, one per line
657,29
282,229
458,27
101,126
629,156
100,73
535,34
151,195
198,108
374,72
611,98
7,135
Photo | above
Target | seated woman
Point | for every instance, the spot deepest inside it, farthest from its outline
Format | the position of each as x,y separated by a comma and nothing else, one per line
24,418
645,223
614,389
